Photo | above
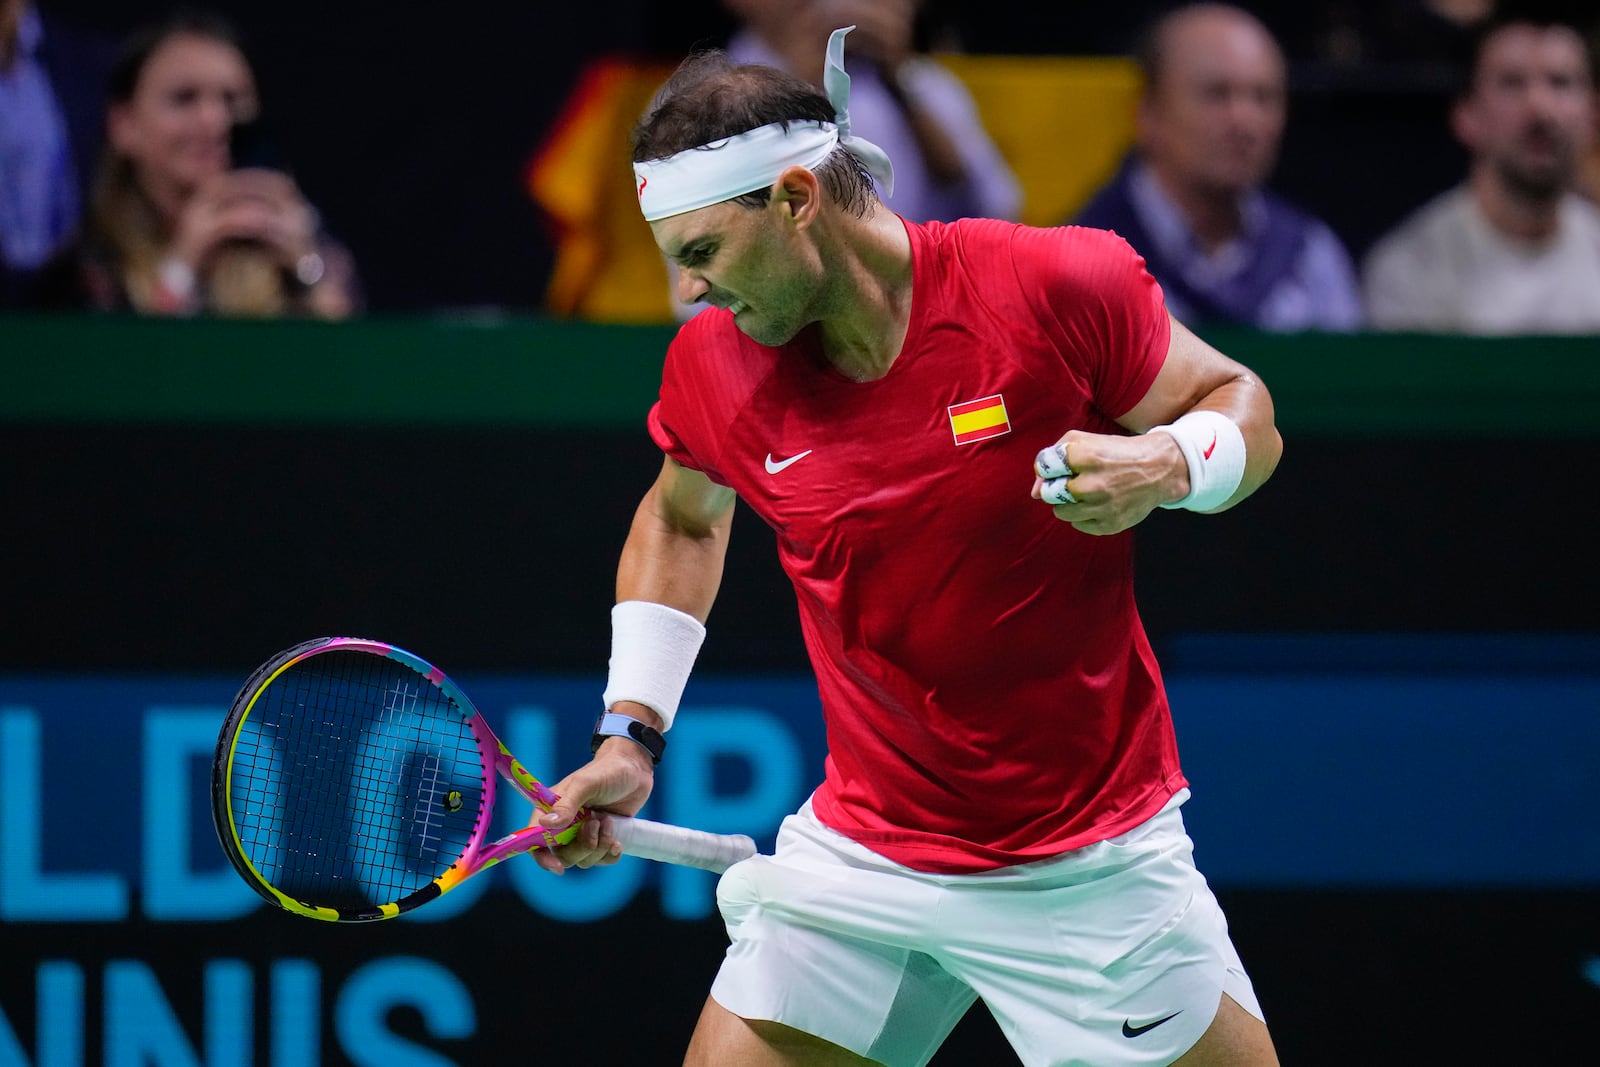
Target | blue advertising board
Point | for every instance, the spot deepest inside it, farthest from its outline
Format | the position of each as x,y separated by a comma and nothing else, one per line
127,940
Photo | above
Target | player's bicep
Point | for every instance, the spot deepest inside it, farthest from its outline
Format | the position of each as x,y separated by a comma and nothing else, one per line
687,501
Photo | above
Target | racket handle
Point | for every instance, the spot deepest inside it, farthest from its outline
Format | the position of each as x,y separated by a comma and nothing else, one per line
684,847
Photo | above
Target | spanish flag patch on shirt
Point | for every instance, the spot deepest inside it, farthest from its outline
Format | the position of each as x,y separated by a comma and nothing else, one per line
979,420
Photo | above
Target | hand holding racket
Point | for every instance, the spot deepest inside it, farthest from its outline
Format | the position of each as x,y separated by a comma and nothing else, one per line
588,799
354,781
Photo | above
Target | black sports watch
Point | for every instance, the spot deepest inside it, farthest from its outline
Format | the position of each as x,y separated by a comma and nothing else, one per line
610,724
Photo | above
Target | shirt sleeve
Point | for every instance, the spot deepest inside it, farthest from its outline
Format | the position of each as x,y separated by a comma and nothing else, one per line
680,422
1104,308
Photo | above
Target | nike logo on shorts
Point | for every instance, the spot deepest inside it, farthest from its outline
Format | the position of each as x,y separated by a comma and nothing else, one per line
1129,1030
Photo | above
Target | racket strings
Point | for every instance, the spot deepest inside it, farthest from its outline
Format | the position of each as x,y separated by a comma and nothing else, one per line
355,781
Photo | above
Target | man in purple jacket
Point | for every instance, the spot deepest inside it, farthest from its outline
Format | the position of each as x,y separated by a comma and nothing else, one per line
1190,198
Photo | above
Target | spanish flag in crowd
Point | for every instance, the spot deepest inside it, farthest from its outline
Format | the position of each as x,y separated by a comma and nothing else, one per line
607,267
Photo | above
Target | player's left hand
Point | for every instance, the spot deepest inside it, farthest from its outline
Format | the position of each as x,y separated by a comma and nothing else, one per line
1107,483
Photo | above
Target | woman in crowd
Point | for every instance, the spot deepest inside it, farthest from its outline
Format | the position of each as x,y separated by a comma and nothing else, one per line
191,213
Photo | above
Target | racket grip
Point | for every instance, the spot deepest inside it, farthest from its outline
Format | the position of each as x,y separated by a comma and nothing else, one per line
676,844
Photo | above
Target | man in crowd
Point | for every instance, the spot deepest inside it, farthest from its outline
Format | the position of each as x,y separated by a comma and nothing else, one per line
1514,248
1191,199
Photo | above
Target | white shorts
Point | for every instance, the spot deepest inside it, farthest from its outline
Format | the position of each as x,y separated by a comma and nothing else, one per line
1112,955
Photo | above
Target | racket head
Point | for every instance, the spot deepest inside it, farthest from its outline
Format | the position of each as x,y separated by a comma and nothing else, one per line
352,781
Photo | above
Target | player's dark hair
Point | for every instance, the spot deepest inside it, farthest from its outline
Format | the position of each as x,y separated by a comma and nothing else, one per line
709,97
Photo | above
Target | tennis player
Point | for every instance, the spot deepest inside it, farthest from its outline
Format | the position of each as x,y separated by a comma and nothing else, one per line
952,429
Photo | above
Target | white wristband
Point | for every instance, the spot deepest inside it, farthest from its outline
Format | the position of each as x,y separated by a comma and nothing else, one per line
1214,449
653,648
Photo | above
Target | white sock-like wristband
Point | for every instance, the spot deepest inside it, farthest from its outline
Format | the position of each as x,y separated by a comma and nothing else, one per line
1213,447
653,648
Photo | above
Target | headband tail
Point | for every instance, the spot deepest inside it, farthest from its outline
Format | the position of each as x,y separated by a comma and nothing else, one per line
837,83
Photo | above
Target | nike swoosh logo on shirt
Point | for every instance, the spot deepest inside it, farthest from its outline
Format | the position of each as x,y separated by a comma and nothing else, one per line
777,466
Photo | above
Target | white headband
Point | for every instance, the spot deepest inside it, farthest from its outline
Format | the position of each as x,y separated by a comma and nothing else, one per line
699,177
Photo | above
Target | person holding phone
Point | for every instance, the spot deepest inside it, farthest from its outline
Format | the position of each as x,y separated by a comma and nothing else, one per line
188,216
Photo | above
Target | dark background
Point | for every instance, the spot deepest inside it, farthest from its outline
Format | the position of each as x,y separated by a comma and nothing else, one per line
411,127
171,548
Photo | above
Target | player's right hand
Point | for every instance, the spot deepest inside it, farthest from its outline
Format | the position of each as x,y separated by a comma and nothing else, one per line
1106,483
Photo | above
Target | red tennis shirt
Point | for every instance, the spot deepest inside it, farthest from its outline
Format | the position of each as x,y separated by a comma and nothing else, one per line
989,694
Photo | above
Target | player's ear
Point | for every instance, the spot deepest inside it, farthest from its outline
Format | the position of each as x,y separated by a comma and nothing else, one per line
798,194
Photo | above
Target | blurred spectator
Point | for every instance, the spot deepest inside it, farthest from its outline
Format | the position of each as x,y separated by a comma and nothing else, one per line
1589,171
52,112
1190,196
945,164
180,221
1513,248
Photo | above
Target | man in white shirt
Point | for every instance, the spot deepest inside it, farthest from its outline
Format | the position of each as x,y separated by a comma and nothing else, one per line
1514,248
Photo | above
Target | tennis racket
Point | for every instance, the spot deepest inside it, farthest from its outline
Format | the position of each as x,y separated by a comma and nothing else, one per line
354,781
